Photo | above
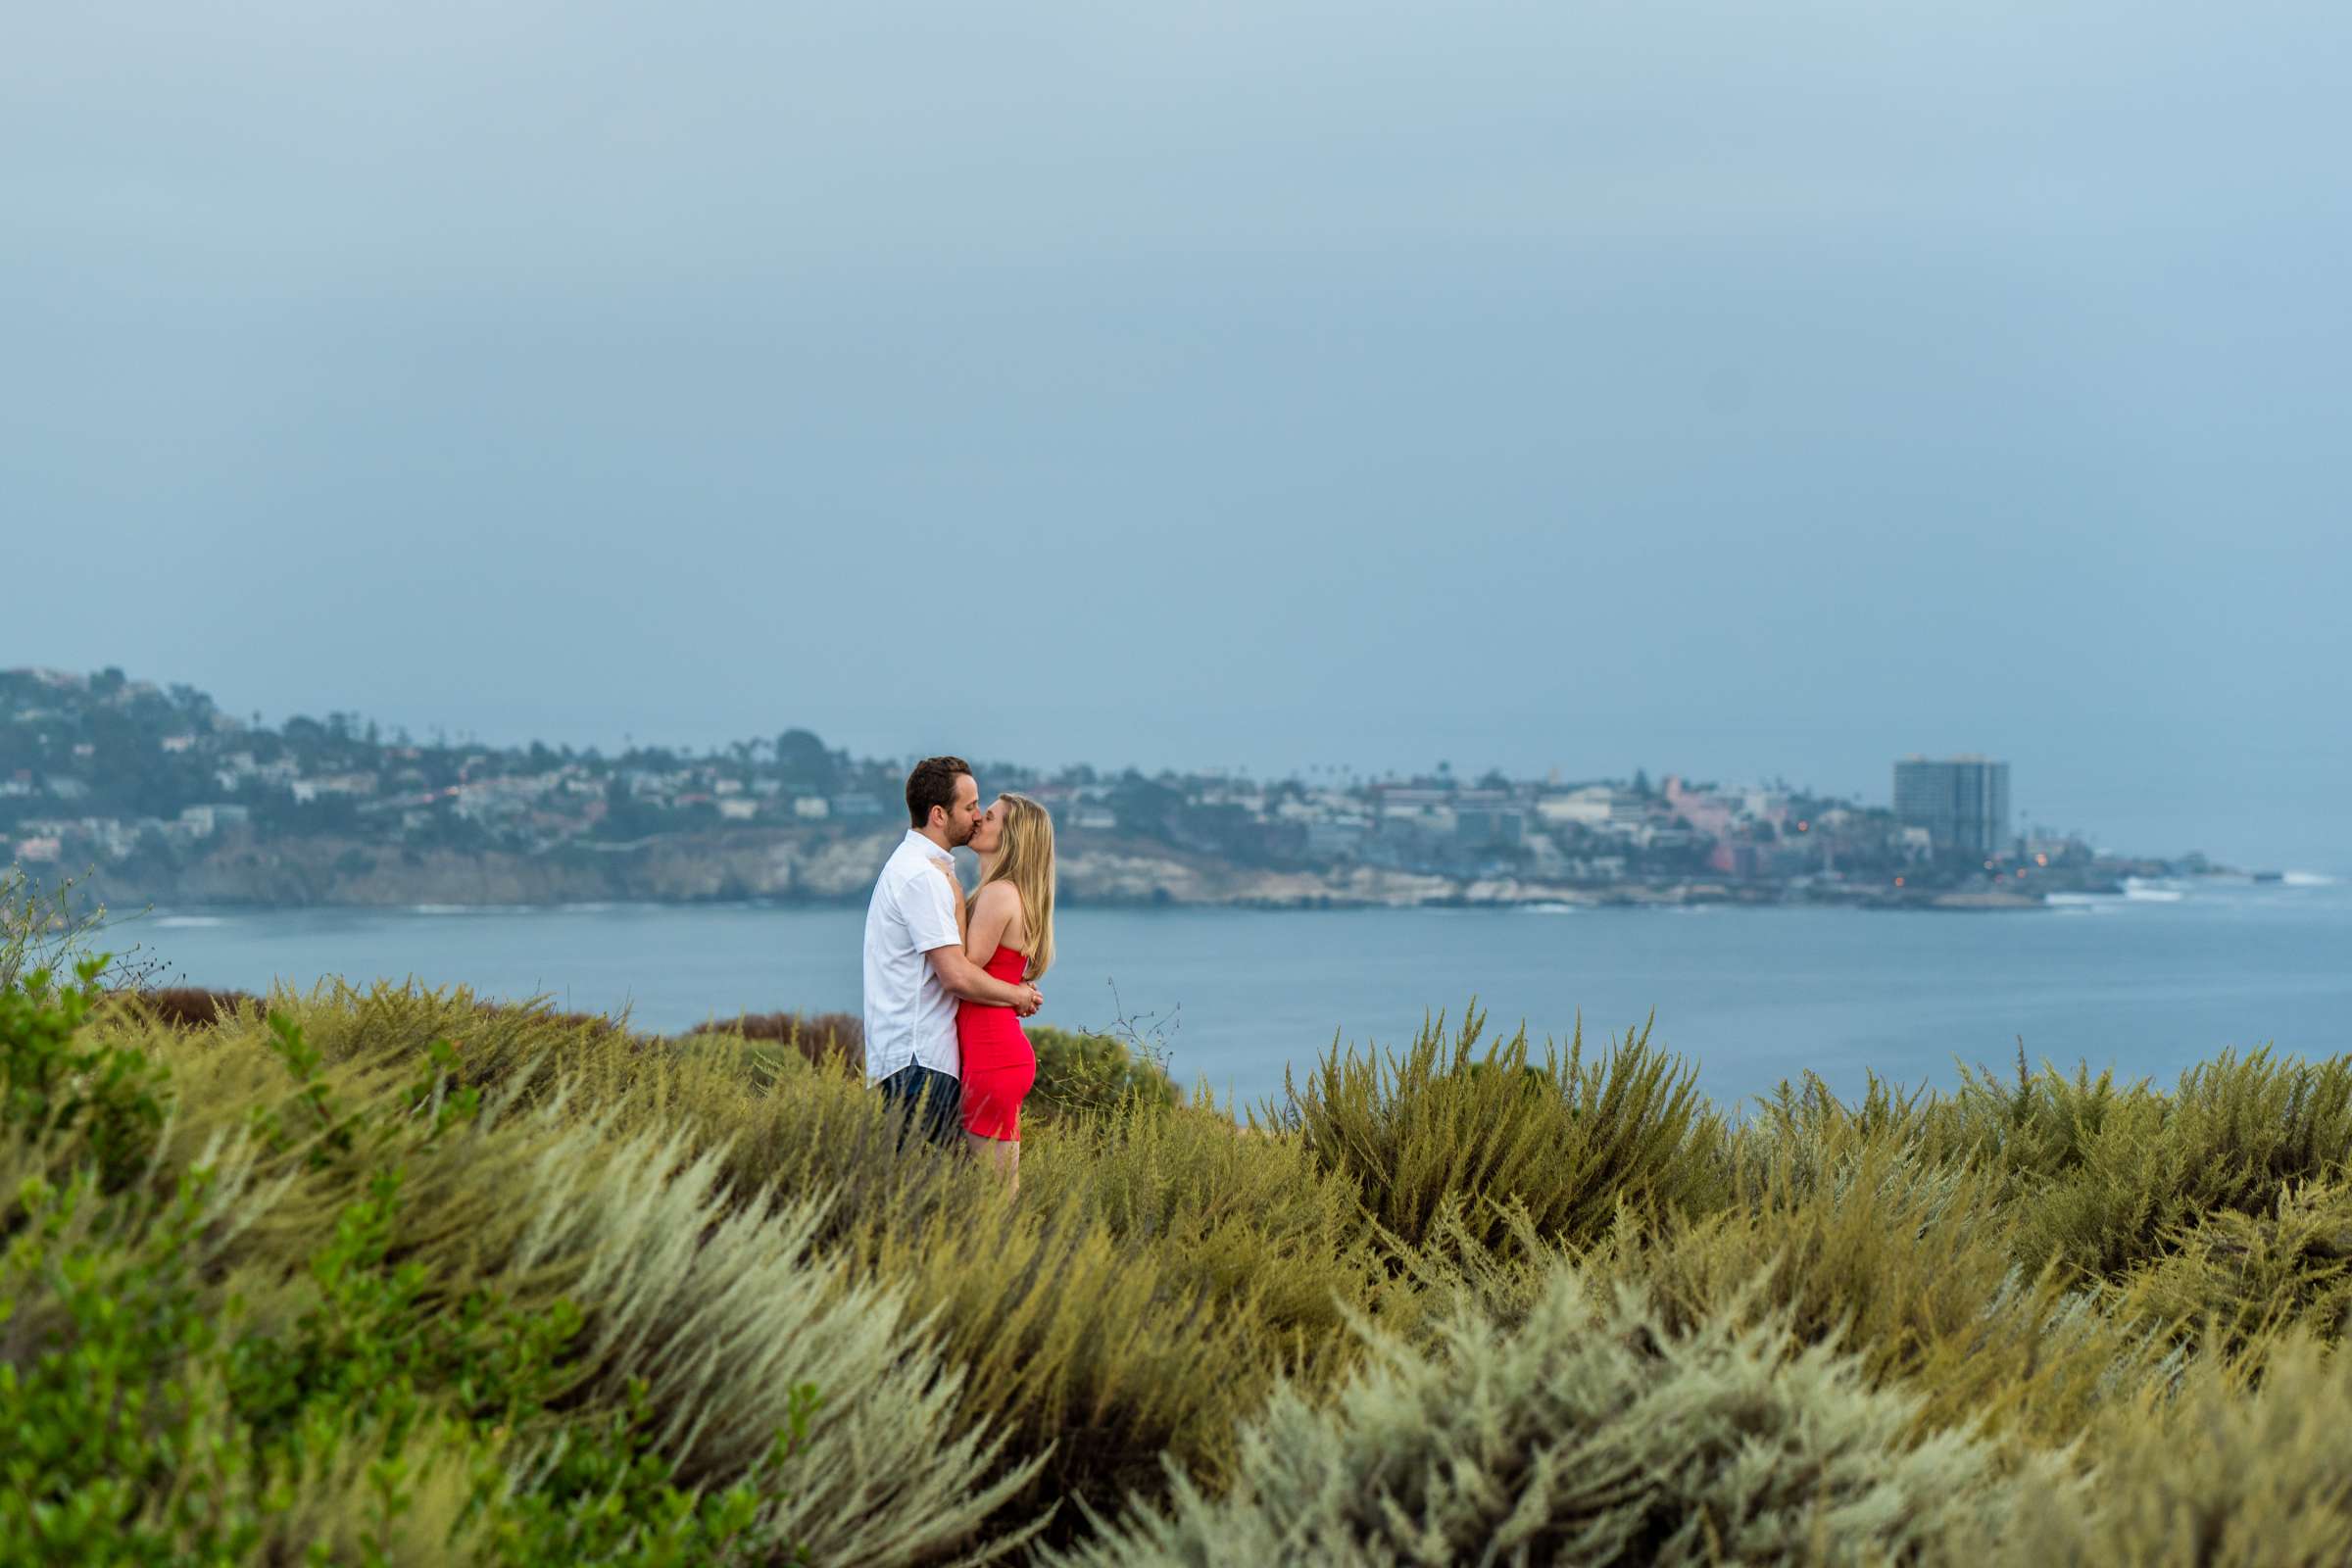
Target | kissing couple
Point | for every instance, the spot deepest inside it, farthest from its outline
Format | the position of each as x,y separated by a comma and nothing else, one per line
949,977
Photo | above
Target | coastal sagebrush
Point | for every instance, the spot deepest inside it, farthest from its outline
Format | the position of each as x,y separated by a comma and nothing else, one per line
1589,1433
519,1287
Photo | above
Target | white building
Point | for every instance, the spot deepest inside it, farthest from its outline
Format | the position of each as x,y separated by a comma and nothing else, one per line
1588,806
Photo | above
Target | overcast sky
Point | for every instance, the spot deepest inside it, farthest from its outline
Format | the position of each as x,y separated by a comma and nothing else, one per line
1734,389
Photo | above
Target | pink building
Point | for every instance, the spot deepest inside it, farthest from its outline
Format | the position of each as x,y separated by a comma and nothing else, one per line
1711,814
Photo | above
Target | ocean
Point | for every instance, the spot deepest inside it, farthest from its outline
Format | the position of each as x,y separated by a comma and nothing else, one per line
2147,982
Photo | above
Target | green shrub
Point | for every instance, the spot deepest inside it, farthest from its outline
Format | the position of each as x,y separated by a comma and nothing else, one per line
1568,1141
1084,1071
1585,1435
144,1423
102,1099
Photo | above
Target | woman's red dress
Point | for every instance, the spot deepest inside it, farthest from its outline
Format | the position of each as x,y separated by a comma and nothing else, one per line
999,1066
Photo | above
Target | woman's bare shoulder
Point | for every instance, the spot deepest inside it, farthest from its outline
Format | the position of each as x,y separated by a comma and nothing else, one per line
999,895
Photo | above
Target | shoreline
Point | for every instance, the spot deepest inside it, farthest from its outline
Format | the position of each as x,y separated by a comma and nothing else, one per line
733,870
1658,898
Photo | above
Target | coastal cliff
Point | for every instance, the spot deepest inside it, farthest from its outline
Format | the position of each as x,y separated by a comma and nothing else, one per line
685,868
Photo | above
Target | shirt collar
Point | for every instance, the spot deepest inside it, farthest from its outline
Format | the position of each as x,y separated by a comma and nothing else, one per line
916,840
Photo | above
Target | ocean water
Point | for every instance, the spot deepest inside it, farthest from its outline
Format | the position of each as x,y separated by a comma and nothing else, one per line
2147,982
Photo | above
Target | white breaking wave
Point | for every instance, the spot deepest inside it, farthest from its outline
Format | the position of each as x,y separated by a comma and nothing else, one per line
182,922
1548,908
2307,879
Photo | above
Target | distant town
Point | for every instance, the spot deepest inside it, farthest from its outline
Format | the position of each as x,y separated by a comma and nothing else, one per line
149,792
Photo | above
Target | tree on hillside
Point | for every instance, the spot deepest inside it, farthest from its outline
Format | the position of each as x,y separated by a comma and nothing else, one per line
804,763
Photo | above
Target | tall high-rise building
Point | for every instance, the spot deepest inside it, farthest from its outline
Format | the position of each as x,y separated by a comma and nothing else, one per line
1963,801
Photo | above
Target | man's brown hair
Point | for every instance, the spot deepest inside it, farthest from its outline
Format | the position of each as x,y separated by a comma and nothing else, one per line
933,783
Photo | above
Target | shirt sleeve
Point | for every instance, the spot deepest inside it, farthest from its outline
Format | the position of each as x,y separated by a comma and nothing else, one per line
929,907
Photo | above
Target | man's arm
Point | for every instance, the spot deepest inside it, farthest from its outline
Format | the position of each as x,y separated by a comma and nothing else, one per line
966,979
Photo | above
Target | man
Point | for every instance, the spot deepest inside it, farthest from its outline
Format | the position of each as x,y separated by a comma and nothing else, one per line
915,968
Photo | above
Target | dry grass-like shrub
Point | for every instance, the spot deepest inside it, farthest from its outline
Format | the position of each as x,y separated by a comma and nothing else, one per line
721,1313
1568,1141
1236,1211
2231,1473
816,1038
2237,1277
1854,1241
1091,1339
191,1007
2104,1175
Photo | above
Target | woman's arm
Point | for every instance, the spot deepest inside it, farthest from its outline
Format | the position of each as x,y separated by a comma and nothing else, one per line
961,977
992,914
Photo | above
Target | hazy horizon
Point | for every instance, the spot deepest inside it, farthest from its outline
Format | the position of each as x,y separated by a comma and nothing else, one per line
1697,389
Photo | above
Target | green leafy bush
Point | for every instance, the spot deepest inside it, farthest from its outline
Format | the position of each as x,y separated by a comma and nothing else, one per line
1085,1071
103,1097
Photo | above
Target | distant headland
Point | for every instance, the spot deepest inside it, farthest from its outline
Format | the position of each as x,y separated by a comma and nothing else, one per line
154,794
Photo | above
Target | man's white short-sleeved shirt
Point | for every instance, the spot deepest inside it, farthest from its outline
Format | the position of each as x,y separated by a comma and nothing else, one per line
910,1017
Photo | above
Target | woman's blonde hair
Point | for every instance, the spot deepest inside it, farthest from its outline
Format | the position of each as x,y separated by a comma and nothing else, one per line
1026,860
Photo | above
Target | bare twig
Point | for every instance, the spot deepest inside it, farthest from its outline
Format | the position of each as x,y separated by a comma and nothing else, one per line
49,928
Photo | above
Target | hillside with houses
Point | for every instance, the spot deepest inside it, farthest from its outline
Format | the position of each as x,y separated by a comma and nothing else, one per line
156,793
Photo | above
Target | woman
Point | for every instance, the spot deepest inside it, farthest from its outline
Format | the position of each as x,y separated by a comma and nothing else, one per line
1008,931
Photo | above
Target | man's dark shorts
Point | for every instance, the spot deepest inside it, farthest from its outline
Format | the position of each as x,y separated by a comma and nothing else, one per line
929,1101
